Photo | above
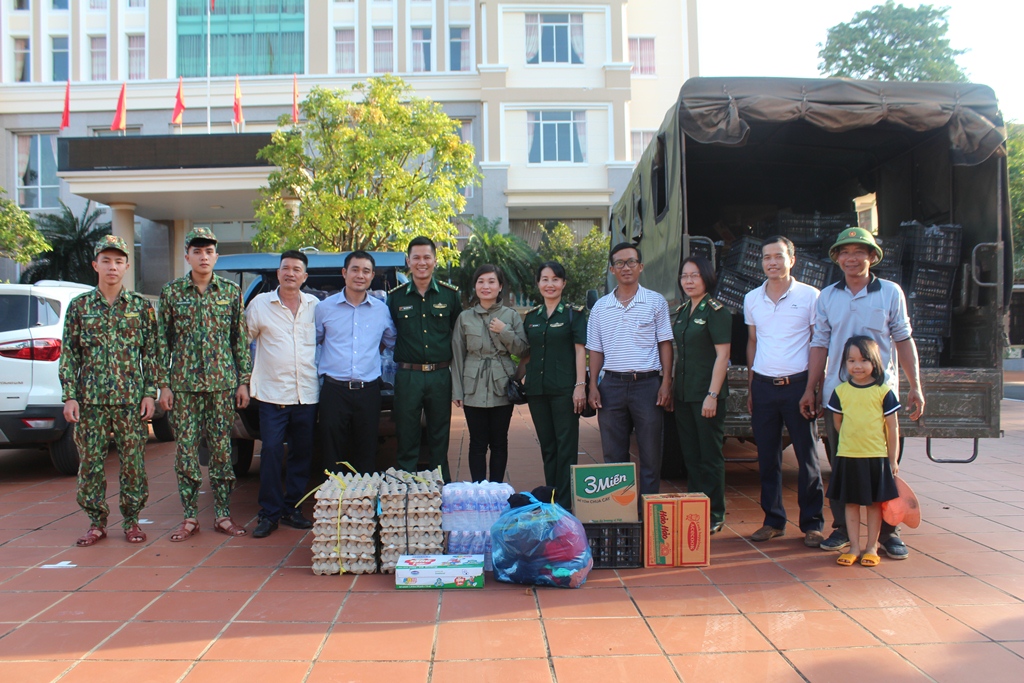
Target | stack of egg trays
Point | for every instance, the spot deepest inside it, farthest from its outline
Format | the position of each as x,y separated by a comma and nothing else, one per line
345,525
410,516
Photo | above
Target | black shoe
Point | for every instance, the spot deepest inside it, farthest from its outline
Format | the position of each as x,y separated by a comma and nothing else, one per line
264,527
717,527
293,518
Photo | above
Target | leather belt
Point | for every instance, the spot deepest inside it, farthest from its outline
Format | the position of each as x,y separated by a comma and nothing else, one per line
345,384
632,376
426,367
781,381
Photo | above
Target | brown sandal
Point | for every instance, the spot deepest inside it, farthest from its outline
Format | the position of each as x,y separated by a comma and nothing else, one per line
224,525
185,530
92,536
134,534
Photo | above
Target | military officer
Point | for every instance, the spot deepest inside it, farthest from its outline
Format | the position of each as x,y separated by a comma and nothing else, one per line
109,371
703,334
203,324
424,312
556,374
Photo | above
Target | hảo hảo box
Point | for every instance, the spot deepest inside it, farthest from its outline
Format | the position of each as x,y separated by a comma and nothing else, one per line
677,530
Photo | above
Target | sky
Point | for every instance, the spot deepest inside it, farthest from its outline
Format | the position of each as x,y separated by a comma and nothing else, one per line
781,38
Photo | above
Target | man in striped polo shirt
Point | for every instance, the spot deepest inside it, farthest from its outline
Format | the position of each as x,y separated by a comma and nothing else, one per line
629,336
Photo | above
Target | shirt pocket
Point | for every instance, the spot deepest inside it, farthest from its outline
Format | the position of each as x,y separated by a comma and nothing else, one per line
876,320
474,342
470,378
644,334
220,319
93,332
130,331
440,319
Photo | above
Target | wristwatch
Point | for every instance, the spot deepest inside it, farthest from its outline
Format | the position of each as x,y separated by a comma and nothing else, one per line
713,394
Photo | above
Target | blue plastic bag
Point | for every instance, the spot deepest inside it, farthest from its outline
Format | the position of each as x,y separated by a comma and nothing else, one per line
540,544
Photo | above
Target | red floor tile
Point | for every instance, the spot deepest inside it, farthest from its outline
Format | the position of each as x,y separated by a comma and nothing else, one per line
708,633
33,672
291,606
491,605
958,662
125,672
401,606
826,666
136,578
591,669
955,590
223,579
22,606
764,667
802,630
662,576
303,579
758,571
197,606
268,642
912,625
681,601
95,606
363,672
599,637
773,597
588,602
865,592
500,671
52,579
489,640
998,622
68,640
247,672
159,640
379,642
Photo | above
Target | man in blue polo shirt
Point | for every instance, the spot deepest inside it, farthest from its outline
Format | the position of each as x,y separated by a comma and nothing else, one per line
861,303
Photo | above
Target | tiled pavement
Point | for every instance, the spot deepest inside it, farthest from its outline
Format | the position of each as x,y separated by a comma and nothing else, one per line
220,609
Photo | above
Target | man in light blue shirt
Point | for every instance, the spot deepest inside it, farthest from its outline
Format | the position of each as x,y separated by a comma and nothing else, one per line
351,327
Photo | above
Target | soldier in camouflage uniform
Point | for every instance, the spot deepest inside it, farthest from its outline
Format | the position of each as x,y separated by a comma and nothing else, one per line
202,322
109,369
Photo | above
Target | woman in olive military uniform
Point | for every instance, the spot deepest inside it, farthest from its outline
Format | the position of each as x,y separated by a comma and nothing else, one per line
703,331
556,378
484,340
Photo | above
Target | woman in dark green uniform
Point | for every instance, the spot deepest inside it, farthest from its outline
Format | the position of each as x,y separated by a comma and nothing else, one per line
556,378
703,330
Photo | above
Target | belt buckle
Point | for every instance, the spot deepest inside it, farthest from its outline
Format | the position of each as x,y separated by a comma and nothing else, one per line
428,367
780,381
354,385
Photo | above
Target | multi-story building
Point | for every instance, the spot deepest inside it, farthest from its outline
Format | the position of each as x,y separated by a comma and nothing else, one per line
558,97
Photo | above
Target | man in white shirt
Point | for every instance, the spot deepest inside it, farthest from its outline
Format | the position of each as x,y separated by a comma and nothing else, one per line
629,336
284,381
780,320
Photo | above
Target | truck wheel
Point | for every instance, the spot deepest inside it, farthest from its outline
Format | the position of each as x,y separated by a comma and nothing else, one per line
162,429
241,455
64,452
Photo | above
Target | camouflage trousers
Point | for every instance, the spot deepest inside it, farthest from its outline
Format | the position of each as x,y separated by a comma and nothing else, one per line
195,414
95,429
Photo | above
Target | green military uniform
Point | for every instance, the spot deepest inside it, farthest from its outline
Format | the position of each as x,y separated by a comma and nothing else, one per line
701,438
209,359
111,359
550,381
424,324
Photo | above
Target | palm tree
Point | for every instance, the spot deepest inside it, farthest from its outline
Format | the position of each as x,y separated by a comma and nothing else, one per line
510,253
72,239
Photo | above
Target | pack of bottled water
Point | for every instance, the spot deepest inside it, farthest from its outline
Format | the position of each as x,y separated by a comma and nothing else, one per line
471,543
475,506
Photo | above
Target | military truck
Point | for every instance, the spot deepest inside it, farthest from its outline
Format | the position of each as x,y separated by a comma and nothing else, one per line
736,153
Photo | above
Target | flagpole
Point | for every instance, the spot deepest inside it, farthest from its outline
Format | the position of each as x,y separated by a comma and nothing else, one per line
209,14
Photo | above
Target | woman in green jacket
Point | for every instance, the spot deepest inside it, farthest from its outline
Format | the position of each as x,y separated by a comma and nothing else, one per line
485,338
703,333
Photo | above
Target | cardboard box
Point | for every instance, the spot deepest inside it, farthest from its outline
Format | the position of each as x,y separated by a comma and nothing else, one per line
604,493
677,530
439,571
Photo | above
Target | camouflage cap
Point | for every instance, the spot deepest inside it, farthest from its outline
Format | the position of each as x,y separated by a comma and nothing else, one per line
111,242
199,233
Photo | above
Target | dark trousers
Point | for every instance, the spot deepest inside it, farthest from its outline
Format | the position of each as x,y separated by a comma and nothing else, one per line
775,406
558,431
701,439
837,507
294,424
349,424
428,393
488,427
628,406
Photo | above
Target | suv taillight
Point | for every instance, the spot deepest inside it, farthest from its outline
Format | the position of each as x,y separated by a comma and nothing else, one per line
32,349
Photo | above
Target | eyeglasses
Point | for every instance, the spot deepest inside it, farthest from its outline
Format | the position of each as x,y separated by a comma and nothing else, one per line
630,263
690,276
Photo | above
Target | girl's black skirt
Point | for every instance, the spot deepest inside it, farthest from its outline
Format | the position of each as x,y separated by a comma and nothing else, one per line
862,481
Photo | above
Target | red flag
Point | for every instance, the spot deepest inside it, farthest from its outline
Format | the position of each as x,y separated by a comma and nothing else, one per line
179,105
295,98
65,120
121,116
239,119
212,4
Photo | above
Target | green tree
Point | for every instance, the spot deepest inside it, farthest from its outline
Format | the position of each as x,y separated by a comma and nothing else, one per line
369,168
892,42
1015,166
72,239
19,238
585,261
513,255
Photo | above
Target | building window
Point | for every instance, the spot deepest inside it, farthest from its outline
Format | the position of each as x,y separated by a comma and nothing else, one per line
136,4
458,40
60,4
554,38
97,4
136,58
466,135
22,60
98,58
557,136
421,49
383,50
641,53
60,58
641,138
38,187
22,4
345,50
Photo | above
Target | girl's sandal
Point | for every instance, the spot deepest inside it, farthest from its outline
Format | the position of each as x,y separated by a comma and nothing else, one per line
185,530
224,525
91,537
846,559
134,534
870,560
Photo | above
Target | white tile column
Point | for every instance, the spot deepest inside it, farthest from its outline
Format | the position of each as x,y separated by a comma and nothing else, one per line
123,226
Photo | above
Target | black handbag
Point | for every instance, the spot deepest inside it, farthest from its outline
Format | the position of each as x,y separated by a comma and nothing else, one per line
515,392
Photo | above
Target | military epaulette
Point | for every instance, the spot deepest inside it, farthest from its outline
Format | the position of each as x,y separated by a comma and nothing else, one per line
448,285
715,304
679,309
578,309
395,289
534,309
